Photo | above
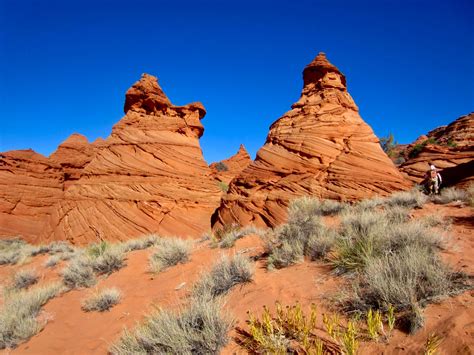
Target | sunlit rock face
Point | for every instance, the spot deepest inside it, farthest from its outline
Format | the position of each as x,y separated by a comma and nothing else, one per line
148,176
321,147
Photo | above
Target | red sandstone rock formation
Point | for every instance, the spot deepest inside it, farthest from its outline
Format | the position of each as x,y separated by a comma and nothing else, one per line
450,148
30,185
148,176
73,155
321,147
226,170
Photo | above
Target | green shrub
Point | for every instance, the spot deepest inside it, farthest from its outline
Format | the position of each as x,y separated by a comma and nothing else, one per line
169,252
18,314
220,166
102,300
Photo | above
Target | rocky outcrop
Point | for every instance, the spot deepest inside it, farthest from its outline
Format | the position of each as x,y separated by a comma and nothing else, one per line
73,155
148,176
227,169
321,147
450,148
30,185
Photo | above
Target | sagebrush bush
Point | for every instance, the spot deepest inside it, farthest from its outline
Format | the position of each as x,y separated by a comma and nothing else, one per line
169,252
224,275
12,250
408,280
111,259
140,243
367,234
450,194
24,279
197,329
102,300
303,234
19,311
79,273
57,247
410,199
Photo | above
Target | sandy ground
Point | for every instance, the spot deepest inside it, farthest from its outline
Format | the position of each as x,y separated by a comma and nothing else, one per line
69,330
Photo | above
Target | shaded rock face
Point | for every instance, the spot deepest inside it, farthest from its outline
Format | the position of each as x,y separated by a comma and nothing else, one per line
227,169
321,147
148,176
450,148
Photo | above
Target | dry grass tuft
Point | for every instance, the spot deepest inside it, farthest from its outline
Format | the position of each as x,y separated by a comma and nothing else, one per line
24,279
102,301
197,329
169,252
450,194
224,275
79,273
18,315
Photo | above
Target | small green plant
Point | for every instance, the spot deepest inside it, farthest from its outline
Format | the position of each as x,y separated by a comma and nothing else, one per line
223,186
332,325
391,318
349,339
374,324
418,148
97,249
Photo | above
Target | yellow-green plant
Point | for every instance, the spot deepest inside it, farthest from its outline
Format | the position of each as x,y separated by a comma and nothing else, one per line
374,324
288,329
349,339
391,318
332,324
432,344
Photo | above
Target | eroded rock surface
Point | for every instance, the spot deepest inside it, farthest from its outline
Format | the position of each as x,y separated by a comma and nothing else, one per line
321,147
148,176
450,148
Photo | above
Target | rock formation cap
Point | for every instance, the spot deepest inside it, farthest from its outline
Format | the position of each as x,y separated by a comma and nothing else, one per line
146,94
318,68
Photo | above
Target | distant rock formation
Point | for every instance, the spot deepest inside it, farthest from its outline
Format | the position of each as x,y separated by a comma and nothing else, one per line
321,147
148,176
450,148
227,169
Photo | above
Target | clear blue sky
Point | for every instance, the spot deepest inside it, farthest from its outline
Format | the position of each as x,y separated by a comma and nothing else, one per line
65,65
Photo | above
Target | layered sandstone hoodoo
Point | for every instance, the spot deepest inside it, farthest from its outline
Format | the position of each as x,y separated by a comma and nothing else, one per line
148,176
227,169
321,147
450,148
30,185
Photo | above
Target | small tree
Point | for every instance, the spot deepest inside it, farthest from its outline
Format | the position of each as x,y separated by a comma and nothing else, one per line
388,143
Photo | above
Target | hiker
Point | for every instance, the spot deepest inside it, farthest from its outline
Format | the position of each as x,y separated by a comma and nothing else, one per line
433,180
